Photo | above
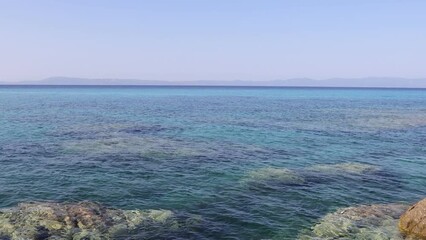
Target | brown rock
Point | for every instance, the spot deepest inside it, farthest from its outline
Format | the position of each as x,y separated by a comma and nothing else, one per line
413,221
87,215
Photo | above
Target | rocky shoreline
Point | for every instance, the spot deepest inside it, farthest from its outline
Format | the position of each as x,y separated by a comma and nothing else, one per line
378,222
93,221
76,221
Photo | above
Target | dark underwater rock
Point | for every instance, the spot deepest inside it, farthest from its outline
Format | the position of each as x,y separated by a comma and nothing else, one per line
42,233
144,129
413,221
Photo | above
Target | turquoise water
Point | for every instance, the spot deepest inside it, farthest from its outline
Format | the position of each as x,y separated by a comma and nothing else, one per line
202,150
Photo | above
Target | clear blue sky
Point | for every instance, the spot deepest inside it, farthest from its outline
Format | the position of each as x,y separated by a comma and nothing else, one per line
212,39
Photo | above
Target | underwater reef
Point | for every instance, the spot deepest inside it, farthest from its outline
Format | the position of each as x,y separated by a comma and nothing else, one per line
348,167
270,175
76,221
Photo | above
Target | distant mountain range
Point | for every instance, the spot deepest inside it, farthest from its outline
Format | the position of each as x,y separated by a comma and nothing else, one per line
296,82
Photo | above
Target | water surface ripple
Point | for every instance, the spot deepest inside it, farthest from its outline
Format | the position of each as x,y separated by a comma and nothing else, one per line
254,163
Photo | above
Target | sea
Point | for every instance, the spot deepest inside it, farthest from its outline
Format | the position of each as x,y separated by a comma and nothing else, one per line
249,162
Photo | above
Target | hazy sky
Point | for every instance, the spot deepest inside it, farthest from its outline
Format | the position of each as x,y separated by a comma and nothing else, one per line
212,39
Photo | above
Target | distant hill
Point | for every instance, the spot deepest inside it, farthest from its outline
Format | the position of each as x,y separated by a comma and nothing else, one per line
297,82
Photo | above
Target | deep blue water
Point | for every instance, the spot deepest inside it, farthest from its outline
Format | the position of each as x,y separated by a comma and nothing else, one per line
192,149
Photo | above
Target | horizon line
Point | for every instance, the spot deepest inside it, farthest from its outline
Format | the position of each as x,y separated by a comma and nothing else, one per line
201,86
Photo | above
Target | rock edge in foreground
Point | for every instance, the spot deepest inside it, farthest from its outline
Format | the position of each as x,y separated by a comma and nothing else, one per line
413,221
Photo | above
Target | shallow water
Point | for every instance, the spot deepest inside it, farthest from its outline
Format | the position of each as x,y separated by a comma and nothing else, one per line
191,149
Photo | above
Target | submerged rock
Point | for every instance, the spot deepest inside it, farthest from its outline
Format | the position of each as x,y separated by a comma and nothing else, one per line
146,146
413,221
375,222
357,168
84,220
273,175
380,119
